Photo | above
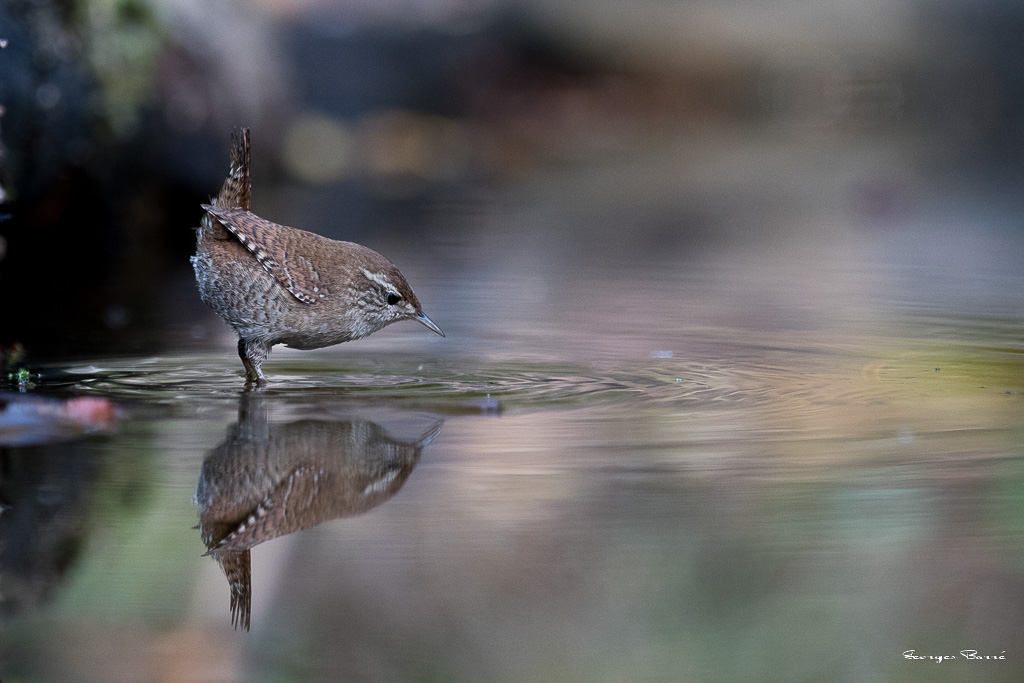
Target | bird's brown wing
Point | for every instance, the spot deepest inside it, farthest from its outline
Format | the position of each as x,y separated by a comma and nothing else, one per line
267,242
292,506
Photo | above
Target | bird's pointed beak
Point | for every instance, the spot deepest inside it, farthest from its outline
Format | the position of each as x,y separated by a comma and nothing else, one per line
422,317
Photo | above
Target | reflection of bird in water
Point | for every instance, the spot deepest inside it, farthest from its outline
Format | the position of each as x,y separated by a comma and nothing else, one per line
269,480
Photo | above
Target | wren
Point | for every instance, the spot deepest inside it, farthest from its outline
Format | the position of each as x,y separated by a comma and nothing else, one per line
278,285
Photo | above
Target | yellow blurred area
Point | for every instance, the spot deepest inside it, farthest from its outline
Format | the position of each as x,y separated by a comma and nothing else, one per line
387,144
318,149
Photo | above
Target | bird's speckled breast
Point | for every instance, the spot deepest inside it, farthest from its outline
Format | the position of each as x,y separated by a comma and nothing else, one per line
240,291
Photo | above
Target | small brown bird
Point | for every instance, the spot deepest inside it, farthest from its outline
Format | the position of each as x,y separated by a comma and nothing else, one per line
278,285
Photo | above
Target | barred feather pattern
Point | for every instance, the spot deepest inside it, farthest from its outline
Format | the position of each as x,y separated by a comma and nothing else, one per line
234,193
268,242
237,188
237,568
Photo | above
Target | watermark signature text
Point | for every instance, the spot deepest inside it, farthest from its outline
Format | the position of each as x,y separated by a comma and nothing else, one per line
963,654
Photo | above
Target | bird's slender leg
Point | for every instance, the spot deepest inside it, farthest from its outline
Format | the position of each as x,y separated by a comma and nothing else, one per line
253,353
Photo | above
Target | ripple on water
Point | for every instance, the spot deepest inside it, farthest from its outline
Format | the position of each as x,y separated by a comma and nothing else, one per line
783,386
516,384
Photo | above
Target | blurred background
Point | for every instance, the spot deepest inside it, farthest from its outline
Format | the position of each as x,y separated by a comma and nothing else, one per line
733,381
607,130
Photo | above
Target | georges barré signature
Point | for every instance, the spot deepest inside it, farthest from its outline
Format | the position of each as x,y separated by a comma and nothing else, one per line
963,654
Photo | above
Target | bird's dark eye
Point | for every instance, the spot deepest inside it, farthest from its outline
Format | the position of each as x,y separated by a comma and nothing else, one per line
393,298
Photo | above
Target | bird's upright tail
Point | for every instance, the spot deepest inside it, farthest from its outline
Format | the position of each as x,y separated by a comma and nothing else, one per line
234,194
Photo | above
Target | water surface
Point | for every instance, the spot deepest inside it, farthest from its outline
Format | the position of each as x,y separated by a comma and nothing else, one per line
788,463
